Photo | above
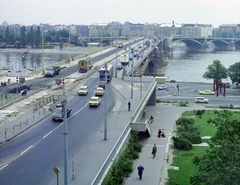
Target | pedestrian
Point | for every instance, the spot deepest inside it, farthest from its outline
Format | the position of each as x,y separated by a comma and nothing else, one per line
140,171
159,133
163,133
154,150
144,113
151,119
129,106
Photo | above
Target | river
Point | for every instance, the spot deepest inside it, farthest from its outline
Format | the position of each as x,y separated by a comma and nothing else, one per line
190,67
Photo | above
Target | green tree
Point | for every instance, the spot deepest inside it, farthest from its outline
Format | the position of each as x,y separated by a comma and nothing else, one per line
23,35
38,37
234,72
216,71
32,37
61,44
7,34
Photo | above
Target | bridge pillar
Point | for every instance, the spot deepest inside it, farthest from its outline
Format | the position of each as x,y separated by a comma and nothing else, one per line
167,47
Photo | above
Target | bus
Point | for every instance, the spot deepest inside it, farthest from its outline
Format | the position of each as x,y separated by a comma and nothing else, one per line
109,73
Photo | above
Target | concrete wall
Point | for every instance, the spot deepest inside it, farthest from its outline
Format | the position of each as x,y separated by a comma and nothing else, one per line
160,80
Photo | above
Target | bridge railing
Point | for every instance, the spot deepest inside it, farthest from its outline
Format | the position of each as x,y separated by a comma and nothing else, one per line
144,101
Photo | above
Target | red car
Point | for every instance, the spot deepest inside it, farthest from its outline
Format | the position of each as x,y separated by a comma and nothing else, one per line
102,84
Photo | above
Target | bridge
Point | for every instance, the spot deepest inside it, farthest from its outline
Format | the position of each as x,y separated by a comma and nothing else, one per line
204,44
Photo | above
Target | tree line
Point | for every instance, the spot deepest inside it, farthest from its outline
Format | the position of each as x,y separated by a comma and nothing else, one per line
34,38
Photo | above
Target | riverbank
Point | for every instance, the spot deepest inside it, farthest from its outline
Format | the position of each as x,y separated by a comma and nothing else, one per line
55,50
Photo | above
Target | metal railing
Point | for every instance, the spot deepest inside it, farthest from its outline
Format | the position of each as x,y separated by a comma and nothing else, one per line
109,160
7,98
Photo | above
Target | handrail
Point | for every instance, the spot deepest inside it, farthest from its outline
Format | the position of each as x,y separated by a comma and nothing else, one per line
110,156
137,111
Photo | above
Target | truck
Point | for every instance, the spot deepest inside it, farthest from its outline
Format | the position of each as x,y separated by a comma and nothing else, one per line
124,59
85,64
52,71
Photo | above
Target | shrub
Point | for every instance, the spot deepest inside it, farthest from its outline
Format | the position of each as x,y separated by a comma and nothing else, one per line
192,137
200,112
158,101
182,143
189,128
182,104
185,121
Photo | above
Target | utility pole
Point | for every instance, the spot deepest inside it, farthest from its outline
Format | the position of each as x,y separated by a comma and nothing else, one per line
42,54
116,60
105,124
65,137
69,46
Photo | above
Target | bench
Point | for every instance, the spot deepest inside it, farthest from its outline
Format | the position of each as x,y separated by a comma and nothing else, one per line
223,106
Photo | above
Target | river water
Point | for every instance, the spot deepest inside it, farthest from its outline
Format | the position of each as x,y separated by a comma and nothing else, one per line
190,67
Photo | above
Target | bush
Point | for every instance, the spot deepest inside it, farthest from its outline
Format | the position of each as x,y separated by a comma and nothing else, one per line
182,143
185,121
200,112
182,104
192,137
189,128
158,101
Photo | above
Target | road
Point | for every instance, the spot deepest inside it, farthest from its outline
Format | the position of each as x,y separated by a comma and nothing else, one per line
188,92
35,153
47,82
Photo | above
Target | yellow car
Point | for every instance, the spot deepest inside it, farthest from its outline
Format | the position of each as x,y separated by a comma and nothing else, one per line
206,92
99,91
83,90
95,101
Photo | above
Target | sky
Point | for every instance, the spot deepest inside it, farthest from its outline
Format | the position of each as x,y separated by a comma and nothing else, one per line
86,12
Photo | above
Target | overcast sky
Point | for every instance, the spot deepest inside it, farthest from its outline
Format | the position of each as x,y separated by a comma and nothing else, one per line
28,12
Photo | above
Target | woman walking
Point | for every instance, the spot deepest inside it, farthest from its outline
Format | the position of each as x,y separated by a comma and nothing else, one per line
154,150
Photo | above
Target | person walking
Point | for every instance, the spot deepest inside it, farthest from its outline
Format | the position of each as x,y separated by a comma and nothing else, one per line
163,133
129,106
151,119
154,150
144,113
140,171
159,133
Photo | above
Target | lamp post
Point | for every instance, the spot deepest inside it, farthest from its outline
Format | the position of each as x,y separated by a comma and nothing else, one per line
69,46
105,124
116,60
42,54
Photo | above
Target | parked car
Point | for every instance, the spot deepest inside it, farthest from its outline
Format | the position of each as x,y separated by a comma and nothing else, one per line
228,85
201,100
206,92
83,90
162,87
94,101
58,115
99,91
102,84
172,81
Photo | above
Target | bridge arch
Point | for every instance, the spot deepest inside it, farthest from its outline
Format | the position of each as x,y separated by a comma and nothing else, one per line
188,41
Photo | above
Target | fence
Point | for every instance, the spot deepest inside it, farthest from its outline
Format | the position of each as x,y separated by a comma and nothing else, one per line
7,98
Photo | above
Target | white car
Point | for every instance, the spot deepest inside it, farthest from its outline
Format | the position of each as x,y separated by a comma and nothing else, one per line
201,100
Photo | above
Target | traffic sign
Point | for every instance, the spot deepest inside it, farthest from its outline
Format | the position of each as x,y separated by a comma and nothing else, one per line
21,80
58,81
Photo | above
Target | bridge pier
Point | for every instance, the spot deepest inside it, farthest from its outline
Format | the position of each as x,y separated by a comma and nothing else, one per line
230,47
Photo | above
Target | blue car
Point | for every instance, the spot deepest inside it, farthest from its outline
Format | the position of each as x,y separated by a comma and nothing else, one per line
162,87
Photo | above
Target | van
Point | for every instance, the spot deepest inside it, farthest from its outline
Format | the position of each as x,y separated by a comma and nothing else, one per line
120,45
201,100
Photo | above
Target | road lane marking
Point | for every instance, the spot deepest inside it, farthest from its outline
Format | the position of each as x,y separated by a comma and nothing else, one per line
26,150
4,166
47,134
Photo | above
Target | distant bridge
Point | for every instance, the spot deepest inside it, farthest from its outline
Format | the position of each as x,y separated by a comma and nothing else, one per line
203,44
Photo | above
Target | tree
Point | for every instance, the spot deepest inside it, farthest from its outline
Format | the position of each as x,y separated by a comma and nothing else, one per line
61,44
216,71
234,72
221,163
32,37
24,39
38,37
7,35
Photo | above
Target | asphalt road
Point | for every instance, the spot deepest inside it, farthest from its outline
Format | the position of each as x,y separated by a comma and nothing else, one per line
188,92
36,152
48,82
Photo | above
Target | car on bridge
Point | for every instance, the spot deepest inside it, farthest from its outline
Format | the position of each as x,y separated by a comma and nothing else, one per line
162,87
99,91
102,84
94,101
206,92
83,90
58,114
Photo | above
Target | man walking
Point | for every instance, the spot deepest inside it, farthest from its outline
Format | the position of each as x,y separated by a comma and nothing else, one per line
140,171
129,106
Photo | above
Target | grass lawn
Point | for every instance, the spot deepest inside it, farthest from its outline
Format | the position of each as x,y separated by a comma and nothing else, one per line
184,161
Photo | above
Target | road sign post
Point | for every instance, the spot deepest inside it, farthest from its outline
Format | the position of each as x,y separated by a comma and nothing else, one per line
56,170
